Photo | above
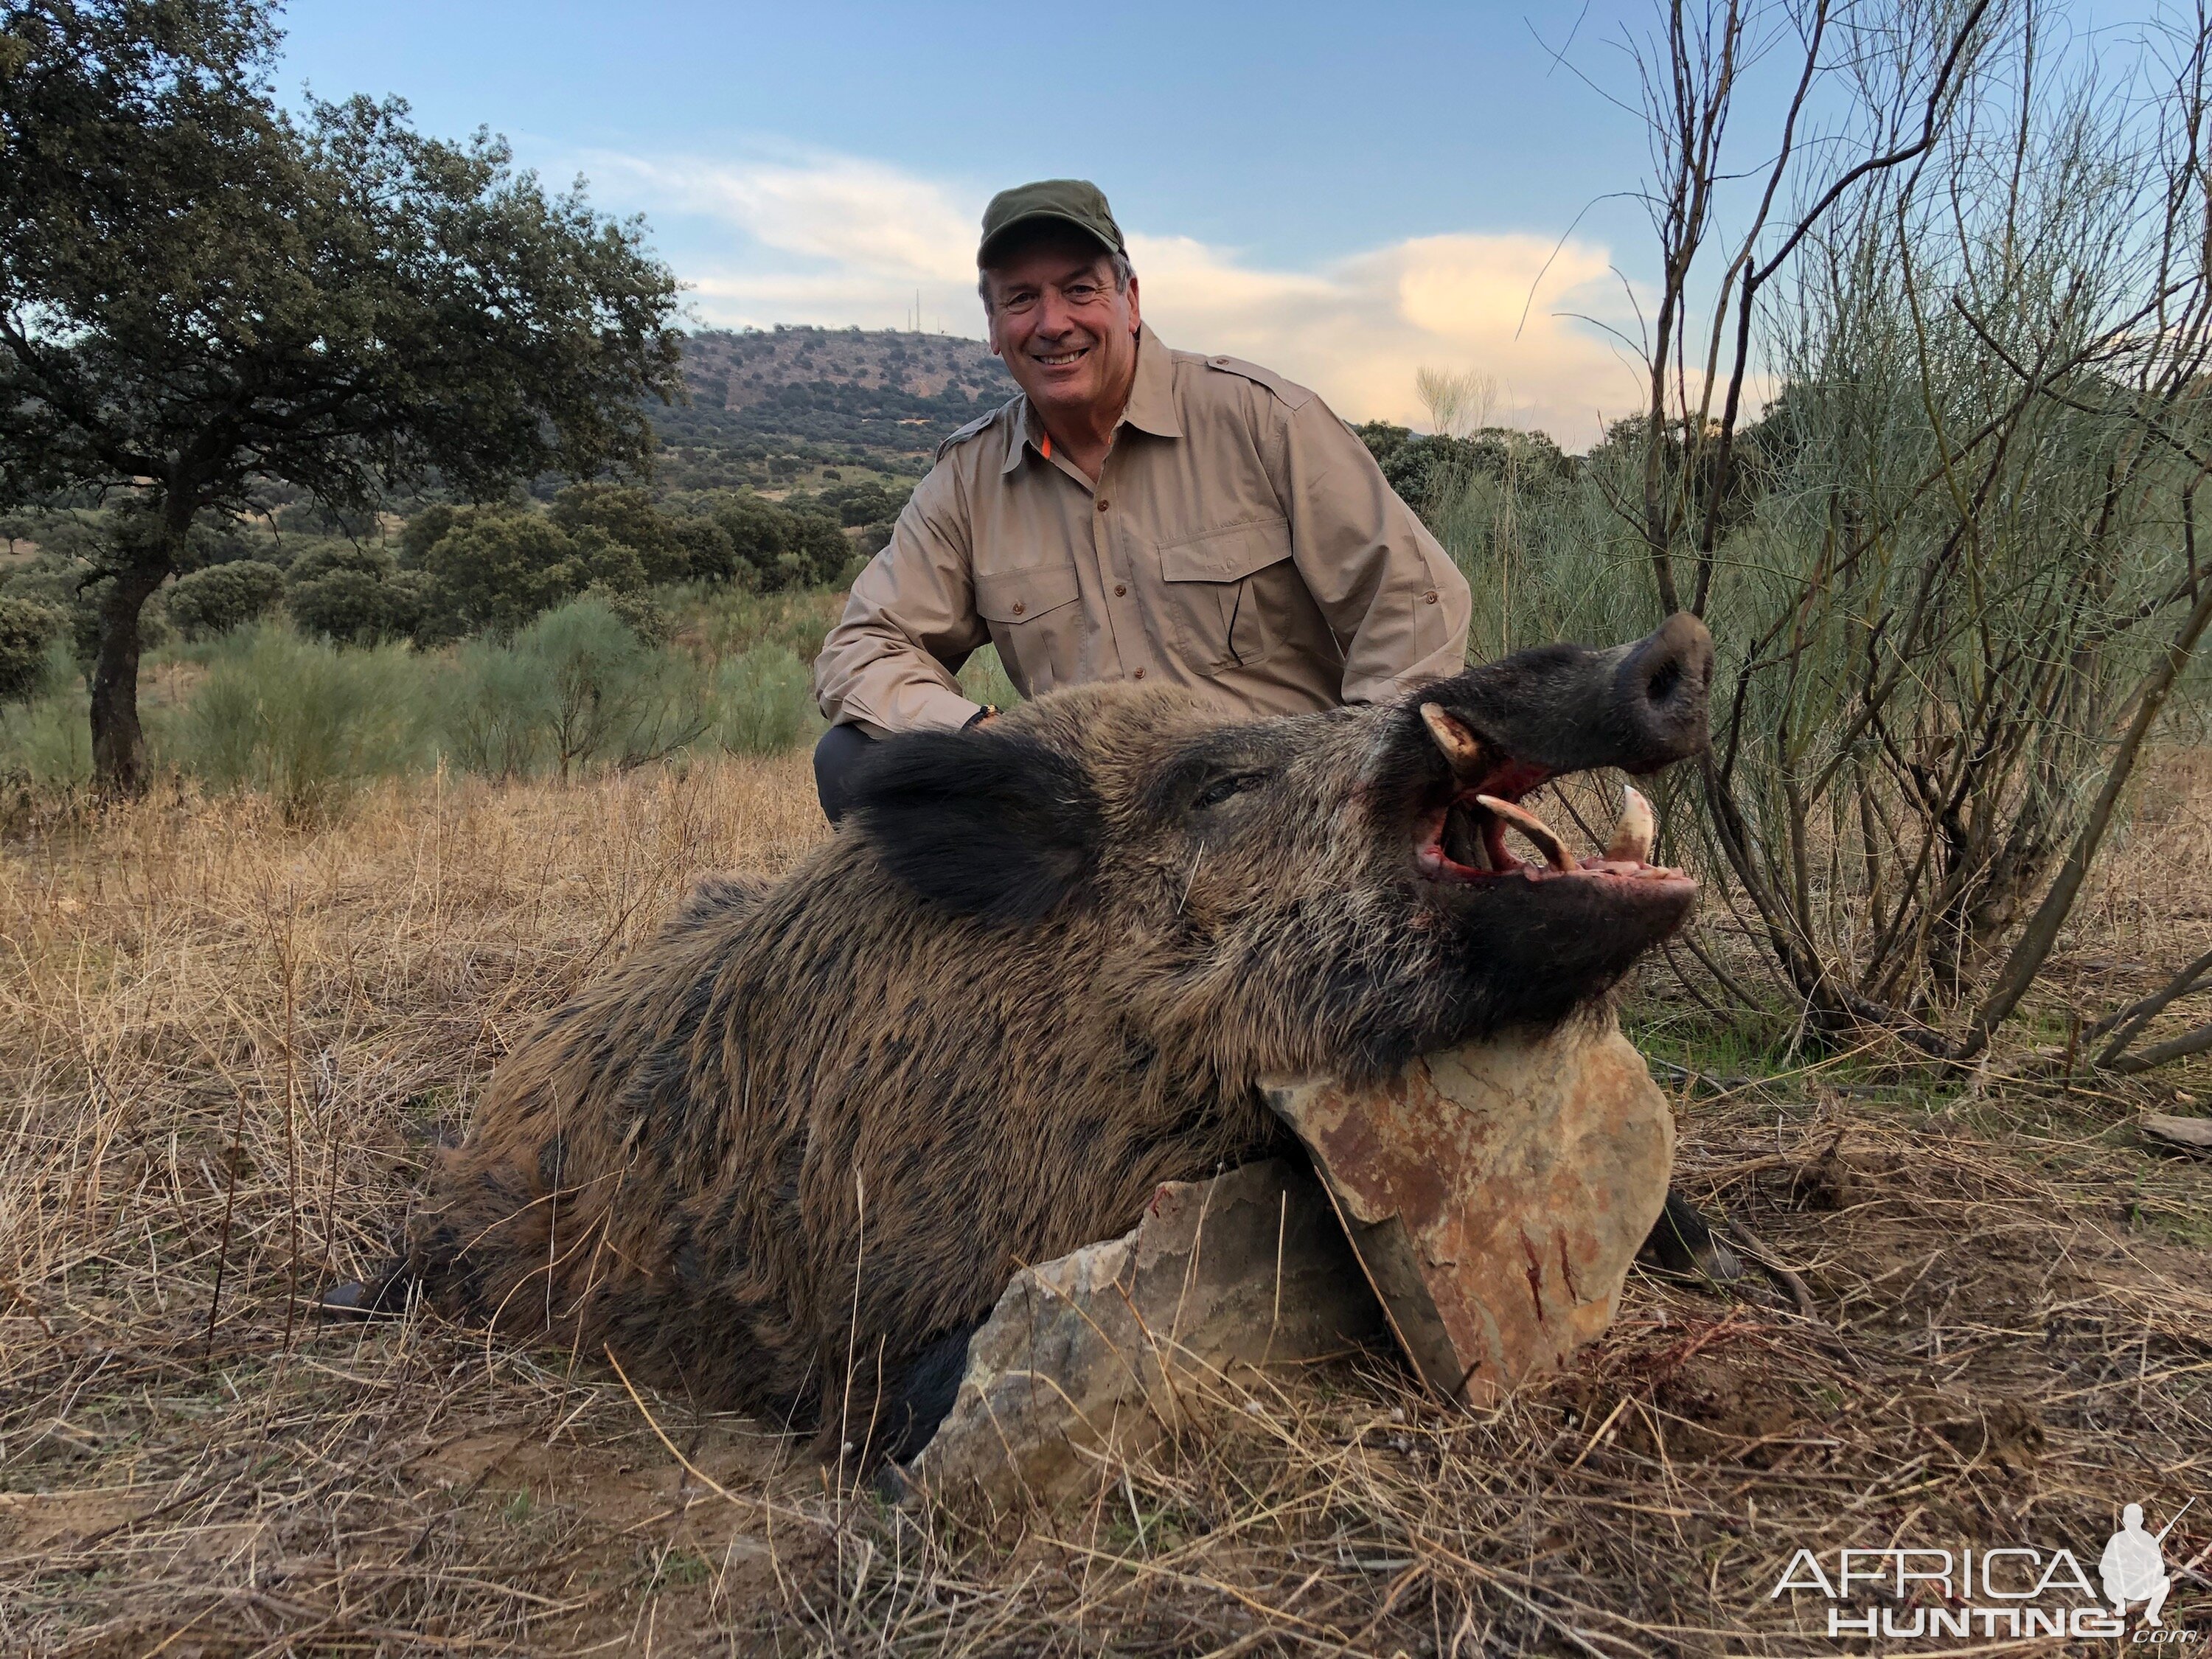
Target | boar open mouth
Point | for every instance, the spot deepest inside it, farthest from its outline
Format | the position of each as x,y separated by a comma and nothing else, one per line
1460,838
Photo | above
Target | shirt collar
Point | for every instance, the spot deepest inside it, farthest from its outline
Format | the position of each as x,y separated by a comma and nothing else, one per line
1151,399
1152,406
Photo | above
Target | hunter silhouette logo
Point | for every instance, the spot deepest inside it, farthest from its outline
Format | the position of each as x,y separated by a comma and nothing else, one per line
2133,1567
1907,1593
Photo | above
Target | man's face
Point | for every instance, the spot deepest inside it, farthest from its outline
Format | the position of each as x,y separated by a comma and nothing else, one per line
1067,335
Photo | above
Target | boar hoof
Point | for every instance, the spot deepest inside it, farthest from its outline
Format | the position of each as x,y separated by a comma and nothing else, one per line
1682,1246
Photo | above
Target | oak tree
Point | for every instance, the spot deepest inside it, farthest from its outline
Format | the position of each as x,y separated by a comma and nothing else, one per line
200,291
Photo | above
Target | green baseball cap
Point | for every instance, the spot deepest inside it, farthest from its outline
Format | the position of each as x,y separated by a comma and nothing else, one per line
1076,202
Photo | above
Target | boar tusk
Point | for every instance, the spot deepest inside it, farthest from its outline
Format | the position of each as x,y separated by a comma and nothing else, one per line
1632,834
1460,746
1554,849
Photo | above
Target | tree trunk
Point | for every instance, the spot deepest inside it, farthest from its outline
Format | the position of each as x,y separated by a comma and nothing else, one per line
118,742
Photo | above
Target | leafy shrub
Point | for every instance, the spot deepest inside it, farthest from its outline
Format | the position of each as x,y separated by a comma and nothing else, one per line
356,596
796,618
423,531
222,596
612,697
1428,471
495,569
710,554
576,687
27,629
313,518
858,504
300,719
46,740
627,517
764,701
819,550
497,711
639,612
781,548
352,594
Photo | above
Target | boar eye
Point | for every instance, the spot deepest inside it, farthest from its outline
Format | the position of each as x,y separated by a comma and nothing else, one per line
1222,788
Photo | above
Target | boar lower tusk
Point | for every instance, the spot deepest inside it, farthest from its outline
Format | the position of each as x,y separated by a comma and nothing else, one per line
1548,843
1460,746
1632,834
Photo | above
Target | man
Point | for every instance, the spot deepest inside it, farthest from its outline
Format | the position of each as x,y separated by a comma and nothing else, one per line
1136,513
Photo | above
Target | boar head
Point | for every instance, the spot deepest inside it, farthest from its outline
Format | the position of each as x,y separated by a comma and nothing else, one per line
1317,893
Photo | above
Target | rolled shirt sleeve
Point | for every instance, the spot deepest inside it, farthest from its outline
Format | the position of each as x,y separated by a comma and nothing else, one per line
888,665
1398,605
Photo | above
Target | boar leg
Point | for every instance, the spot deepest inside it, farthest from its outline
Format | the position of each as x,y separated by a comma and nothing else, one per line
359,1298
1682,1244
926,1393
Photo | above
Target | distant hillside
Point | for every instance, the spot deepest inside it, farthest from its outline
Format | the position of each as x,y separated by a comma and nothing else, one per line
770,406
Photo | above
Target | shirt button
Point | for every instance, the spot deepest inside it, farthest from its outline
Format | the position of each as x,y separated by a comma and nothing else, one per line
1019,607
1102,503
1428,597
1121,589
1139,675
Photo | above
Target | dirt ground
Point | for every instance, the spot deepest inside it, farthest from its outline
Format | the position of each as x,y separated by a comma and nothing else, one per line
226,1045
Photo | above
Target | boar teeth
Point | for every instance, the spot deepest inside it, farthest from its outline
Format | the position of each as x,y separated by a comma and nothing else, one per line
1632,835
1460,746
1547,843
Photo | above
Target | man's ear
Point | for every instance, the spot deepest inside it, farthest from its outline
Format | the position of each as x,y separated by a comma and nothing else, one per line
993,824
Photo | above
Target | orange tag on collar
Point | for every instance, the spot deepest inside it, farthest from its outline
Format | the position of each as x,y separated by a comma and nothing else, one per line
1045,448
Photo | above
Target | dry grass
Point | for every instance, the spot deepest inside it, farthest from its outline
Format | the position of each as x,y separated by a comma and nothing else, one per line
227,1044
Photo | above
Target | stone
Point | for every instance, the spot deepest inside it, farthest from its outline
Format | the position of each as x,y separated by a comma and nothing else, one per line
1496,1195
1099,1354
2194,1133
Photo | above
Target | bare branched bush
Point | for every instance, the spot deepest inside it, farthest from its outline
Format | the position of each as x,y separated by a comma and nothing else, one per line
1459,402
1952,566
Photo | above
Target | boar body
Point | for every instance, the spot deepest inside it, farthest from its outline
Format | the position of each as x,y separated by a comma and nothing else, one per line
787,1155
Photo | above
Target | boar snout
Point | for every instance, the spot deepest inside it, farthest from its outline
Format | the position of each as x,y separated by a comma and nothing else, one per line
1660,691
1565,708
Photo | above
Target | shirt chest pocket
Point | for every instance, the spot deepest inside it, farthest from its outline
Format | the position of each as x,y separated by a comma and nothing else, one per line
1035,622
1229,595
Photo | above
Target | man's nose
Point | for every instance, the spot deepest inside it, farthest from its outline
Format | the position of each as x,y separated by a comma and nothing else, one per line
1055,315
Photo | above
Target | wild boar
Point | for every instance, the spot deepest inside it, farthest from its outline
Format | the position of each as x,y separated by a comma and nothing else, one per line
786,1156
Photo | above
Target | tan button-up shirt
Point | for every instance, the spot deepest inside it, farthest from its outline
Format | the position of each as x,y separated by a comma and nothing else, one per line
1240,541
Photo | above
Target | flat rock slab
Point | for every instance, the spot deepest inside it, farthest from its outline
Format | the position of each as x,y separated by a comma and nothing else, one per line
1496,1195
1100,1353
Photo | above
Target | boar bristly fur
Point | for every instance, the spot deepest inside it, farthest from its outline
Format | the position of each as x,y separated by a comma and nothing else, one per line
788,1153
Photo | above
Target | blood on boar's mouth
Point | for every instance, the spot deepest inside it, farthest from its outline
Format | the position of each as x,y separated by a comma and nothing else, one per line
1459,837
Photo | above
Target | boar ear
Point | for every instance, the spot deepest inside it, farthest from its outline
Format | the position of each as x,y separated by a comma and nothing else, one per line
991,823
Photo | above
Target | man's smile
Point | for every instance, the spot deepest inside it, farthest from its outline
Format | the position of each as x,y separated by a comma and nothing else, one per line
1058,359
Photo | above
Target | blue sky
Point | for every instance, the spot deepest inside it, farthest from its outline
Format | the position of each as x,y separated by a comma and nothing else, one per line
1296,133
1346,193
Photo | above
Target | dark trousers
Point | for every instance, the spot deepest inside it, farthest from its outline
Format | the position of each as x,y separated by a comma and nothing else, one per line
841,747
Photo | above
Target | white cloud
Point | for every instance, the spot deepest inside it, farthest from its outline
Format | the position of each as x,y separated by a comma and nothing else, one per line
839,210
1358,331
834,240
